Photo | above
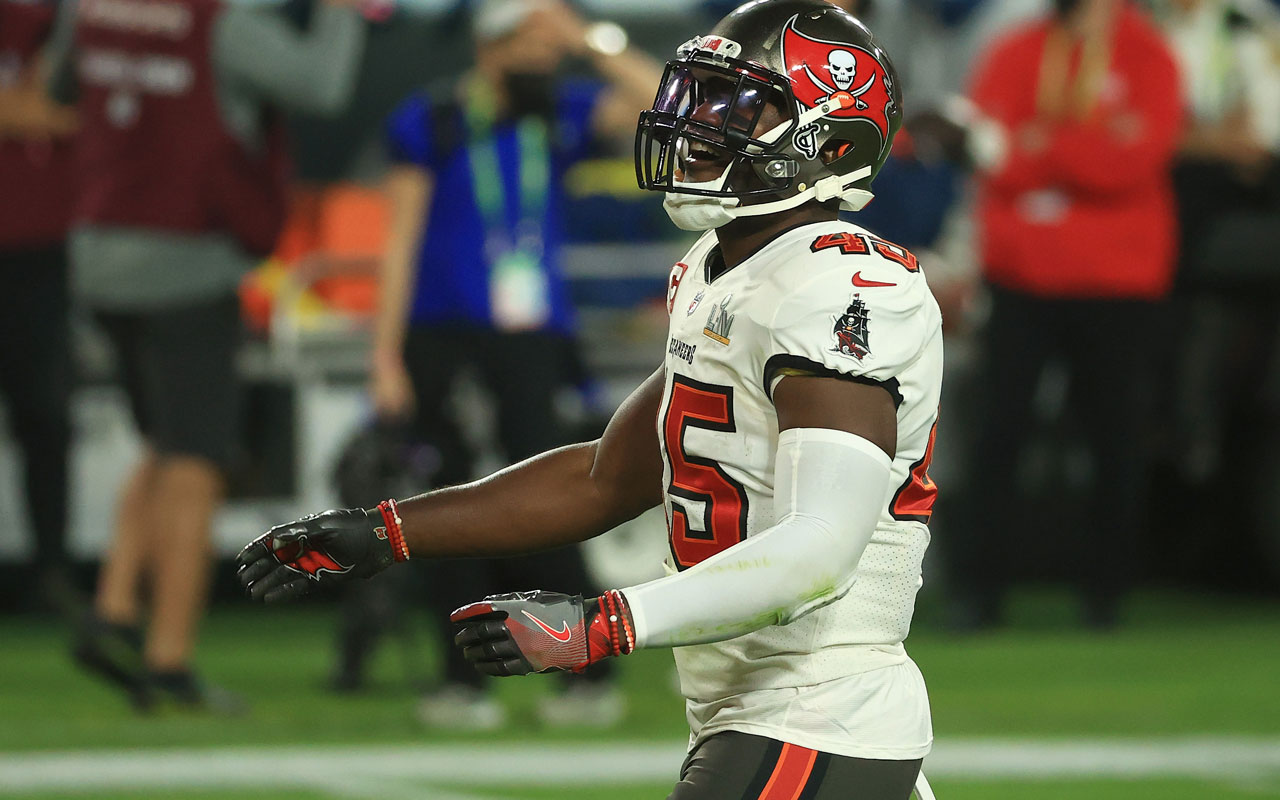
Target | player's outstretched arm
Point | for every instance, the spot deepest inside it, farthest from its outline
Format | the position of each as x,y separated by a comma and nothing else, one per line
560,497
832,478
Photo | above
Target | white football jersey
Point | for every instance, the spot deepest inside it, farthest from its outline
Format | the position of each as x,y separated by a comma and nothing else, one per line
824,298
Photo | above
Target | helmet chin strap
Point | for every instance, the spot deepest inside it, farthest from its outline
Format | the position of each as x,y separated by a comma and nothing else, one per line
830,188
701,213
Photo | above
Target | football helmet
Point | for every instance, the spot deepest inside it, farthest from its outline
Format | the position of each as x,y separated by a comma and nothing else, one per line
785,101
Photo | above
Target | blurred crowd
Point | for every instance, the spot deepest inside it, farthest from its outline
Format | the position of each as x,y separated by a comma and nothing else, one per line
1092,186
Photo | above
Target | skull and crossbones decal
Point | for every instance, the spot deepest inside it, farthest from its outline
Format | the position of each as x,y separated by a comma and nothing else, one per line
842,66
819,69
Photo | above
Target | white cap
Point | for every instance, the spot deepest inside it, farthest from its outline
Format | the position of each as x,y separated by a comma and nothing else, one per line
494,19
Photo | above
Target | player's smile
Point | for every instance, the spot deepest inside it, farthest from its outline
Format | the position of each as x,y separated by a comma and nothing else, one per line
700,161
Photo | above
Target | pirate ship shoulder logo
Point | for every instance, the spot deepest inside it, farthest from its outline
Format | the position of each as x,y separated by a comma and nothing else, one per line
851,331
819,69
719,321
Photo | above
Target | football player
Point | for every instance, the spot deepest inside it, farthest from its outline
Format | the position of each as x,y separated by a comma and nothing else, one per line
787,434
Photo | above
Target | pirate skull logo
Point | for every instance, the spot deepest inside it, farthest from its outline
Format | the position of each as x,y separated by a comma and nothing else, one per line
848,68
843,67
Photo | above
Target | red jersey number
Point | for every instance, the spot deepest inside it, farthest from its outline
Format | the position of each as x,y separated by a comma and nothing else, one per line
848,243
913,502
721,502
855,244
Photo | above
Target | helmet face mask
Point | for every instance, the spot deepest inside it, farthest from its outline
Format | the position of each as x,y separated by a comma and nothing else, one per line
786,101
708,115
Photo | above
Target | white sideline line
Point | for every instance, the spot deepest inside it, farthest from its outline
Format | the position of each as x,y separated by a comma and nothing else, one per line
342,770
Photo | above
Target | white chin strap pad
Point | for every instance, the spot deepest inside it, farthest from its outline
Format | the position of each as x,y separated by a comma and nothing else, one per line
696,212
855,199
830,188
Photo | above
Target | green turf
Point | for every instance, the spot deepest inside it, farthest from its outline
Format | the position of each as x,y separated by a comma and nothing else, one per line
279,661
948,790
1179,666
181,794
960,790
1102,790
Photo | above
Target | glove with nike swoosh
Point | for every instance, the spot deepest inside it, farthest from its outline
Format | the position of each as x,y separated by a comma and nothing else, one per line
523,632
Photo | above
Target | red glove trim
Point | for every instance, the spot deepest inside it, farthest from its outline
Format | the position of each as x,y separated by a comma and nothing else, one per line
391,518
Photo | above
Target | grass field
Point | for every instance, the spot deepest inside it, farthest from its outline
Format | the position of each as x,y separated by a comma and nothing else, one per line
1183,702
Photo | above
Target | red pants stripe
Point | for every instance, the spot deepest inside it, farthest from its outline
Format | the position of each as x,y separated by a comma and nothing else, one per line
790,774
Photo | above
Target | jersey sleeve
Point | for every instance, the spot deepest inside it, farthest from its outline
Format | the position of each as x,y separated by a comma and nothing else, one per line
853,320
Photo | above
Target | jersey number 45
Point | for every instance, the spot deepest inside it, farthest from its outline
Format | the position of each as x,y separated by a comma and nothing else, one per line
702,482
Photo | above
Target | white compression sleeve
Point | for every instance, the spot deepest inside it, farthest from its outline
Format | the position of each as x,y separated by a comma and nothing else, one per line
829,487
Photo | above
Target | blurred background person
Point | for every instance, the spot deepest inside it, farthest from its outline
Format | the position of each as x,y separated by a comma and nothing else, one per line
1228,55
181,172
1228,196
922,204
1221,373
1077,237
472,281
35,335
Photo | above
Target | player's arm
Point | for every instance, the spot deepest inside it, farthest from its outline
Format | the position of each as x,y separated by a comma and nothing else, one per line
832,478
562,496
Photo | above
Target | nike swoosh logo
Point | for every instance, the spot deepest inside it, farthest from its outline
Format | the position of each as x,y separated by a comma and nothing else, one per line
559,635
858,280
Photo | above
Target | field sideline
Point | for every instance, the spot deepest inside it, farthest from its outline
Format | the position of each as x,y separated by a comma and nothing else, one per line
1181,704
1250,766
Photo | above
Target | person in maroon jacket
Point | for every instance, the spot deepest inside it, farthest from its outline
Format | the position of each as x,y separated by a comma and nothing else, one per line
1080,114
35,206
181,189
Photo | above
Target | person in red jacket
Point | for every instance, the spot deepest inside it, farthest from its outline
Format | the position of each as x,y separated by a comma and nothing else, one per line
1079,117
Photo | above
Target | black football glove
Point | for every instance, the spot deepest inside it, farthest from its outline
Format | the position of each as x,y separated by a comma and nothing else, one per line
523,632
325,549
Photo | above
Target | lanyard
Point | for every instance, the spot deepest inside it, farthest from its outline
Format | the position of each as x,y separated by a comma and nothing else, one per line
486,177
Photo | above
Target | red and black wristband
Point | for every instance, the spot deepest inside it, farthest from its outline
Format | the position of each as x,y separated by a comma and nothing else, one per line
395,532
614,618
